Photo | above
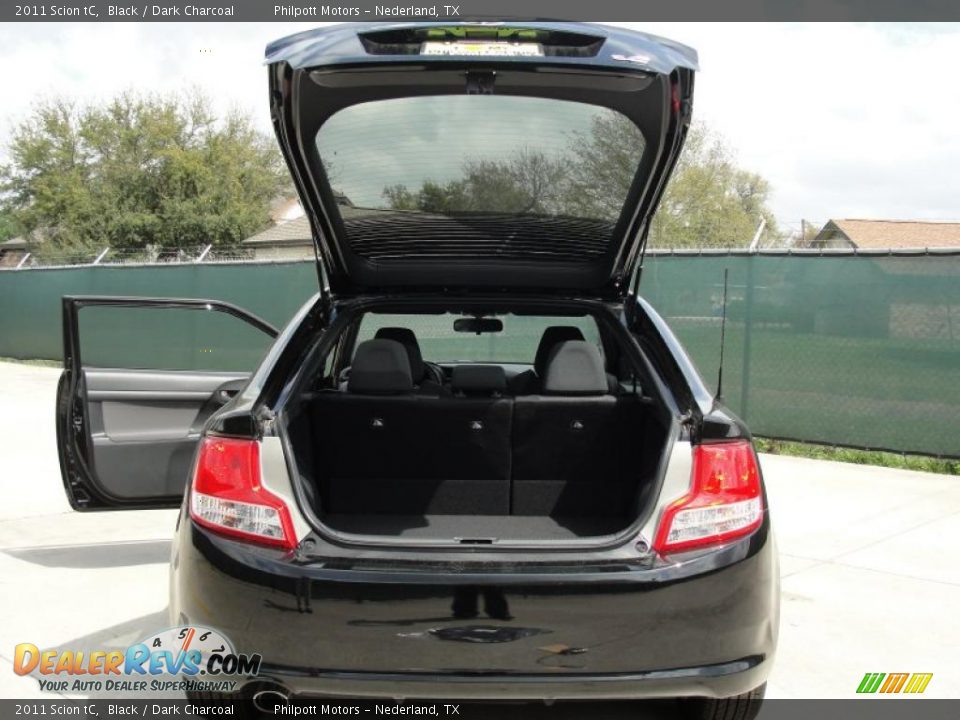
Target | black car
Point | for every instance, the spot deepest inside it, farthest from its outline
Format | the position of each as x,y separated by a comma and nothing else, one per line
477,464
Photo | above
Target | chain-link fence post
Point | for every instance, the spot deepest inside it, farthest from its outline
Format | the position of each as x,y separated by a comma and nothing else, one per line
747,337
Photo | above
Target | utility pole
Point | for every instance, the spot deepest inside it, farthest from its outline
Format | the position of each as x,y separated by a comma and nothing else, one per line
755,243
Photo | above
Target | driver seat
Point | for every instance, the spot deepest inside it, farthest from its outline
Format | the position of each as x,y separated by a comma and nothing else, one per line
427,378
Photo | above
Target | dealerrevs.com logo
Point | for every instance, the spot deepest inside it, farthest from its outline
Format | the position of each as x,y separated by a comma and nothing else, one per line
183,658
889,683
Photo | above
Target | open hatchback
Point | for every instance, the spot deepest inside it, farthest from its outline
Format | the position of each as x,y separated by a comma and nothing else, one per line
498,156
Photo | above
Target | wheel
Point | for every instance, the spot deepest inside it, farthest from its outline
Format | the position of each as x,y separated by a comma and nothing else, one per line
738,707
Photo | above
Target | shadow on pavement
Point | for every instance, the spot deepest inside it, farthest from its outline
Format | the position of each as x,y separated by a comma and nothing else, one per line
98,555
117,637
120,636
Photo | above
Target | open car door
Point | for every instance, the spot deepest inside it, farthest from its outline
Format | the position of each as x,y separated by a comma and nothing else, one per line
141,377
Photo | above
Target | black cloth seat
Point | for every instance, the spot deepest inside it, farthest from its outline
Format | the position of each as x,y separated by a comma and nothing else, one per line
573,451
529,381
423,377
380,367
573,454
479,380
384,449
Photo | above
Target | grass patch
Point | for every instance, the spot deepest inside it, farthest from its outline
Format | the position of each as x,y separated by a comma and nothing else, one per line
33,361
923,463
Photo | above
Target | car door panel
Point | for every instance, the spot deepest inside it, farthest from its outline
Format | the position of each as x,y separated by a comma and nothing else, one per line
150,420
127,436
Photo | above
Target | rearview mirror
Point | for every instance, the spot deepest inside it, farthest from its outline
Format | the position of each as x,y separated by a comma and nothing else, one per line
478,325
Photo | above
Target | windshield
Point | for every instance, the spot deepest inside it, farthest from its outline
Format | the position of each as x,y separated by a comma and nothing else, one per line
530,175
516,344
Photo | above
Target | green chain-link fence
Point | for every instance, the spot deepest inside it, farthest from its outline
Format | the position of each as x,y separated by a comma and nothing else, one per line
847,349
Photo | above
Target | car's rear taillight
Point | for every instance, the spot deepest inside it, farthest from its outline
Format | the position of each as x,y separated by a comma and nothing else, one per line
725,502
227,495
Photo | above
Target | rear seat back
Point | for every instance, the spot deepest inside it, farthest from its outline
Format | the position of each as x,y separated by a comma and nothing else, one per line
385,450
479,381
568,443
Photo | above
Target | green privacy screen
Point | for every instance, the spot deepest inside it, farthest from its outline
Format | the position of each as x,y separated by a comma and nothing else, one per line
840,349
30,315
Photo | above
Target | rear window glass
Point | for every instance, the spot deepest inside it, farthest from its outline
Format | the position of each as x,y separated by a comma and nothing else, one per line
533,175
440,343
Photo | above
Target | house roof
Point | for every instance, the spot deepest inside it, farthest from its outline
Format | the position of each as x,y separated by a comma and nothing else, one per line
285,209
883,234
292,232
17,243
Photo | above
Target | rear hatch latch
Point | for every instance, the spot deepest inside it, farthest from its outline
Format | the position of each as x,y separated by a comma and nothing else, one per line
480,82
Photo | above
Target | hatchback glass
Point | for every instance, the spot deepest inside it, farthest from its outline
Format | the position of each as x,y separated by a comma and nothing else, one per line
539,175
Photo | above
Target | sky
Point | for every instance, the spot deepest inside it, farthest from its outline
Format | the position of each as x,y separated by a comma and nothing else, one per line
844,120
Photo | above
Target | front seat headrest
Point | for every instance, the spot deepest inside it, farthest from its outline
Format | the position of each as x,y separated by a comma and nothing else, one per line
490,380
575,368
405,337
552,337
380,367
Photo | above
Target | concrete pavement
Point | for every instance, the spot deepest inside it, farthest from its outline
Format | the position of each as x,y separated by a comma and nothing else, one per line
869,568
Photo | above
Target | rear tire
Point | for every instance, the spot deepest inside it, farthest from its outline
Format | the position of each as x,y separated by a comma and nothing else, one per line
737,707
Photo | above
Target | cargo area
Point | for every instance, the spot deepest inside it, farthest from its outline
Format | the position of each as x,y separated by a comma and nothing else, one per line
565,448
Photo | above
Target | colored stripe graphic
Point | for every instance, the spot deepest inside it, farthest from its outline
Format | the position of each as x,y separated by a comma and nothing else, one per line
913,683
894,682
918,682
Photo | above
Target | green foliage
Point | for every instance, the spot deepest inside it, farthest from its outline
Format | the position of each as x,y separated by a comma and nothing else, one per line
529,182
140,171
605,162
9,227
709,202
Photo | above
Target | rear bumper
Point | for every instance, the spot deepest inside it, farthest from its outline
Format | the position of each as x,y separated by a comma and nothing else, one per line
710,681
706,627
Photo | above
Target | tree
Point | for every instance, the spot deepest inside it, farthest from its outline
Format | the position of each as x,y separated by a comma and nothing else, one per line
709,202
140,171
528,182
604,163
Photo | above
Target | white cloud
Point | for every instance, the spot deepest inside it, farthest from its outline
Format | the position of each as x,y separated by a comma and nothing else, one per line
845,120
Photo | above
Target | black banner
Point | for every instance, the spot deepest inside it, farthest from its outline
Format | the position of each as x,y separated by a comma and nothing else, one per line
872,709
361,10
